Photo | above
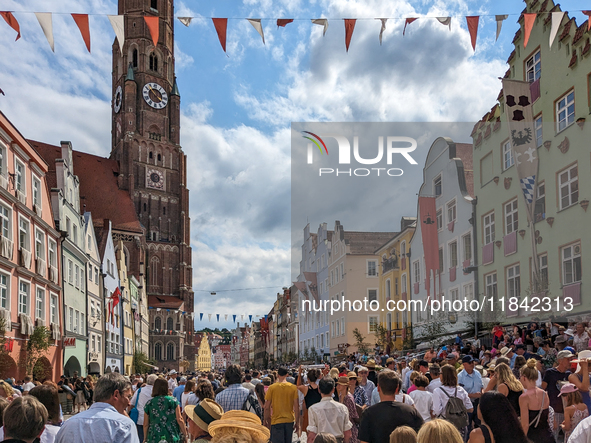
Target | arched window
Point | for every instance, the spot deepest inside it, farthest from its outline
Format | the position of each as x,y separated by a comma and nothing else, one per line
154,4
158,351
164,210
157,323
170,351
145,207
159,158
150,155
153,62
169,324
134,58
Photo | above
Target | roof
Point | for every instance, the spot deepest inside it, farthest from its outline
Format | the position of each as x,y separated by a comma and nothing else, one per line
99,188
165,302
49,153
366,243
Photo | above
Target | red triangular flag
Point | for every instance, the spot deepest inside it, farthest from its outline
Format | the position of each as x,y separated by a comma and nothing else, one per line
116,296
529,20
82,22
283,21
9,18
153,26
408,21
473,28
349,28
588,13
221,25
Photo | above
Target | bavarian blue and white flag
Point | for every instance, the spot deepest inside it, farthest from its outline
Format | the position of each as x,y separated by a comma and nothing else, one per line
518,108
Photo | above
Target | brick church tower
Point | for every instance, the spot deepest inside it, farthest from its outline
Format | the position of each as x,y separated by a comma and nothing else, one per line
153,169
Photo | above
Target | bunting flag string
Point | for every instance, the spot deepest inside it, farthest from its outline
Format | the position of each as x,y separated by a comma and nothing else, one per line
349,28
529,20
500,19
82,23
473,28
118,24
321,22
185,20
556,21
256,24
283,21
45,21
154,28
407,22
234,318
12,22
446,21
383,20
221,26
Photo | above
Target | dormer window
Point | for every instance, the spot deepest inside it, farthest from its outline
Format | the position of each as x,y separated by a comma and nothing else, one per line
153,62
154,4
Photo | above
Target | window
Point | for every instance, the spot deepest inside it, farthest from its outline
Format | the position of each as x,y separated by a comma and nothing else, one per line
77,321
508,159
169,325
52,255
5,221
76,276
154,4
453,254
82,323
439,217
571,264
533,67
513,281
489,228
24,289
40,304
343,270
372,268
538,131
467,247
4,293
543,265
157,323
373,323
403,283
454,294
70,272
511,218
158,351
441,261
396,286
565,111
416,271
468,291
388,289
68,226
451,211
53,309
332,327
372,294
36,192
332,277
338,325
437,186
96,276
540,206
2,160
134,58
75,233
336,275
39,244
342,325
70,319
153,62
491,285
568,181
23,234
19,178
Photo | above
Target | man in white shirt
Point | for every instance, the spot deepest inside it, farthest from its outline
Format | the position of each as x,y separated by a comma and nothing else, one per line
367,385
328,415
28,385
172,384
582,433
145,395
435,371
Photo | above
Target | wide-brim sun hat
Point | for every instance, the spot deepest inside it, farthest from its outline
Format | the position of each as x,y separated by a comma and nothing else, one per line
582,354
352,374
205,413
343,380
242,420
371,364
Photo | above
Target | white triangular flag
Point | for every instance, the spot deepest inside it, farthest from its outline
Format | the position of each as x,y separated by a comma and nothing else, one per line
118,25
209,316
225,316
242,317
384,20
256,24
556,21
499,19
321,22
185,20
44,19
446,21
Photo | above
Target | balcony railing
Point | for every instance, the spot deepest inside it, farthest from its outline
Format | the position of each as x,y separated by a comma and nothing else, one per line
389,264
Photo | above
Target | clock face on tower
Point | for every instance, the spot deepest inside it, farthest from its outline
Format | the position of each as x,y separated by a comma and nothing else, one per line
155,95
117,98
154,179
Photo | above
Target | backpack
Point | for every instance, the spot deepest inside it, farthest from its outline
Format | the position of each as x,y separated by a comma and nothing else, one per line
251,404
455,412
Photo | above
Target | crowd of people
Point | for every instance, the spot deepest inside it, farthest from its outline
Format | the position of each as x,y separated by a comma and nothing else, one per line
530,385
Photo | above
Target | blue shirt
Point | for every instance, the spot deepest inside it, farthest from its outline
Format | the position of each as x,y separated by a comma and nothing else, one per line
472,383
178,391
232,398
512,362
99,424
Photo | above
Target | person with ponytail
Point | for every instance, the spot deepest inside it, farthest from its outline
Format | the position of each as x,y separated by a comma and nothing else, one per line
575,410
496,427
534,404
506,384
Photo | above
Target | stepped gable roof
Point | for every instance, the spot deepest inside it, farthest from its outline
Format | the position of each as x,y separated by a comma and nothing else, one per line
366,243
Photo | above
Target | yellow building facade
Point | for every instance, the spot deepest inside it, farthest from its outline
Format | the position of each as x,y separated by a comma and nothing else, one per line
203,355
394,282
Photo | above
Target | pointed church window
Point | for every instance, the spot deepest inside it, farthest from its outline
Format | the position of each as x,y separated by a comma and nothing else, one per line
134,58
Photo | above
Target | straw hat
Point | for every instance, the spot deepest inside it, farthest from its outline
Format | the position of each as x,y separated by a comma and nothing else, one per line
239,419
343,381
371,364
206,412
582,354
505,351
352,374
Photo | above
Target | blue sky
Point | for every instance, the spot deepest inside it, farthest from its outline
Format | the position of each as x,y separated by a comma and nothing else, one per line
237,109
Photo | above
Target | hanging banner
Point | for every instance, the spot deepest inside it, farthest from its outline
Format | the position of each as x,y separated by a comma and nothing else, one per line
234,318
218,317
221,26
427,217
82,23
250,318
445,21
225,317
473,29
12,22
256,24
528,24
383,20
154,27
500,19
118,24
185,20
283,21
321,22
209,317
349,28
46,23
556,21
200,316
407,22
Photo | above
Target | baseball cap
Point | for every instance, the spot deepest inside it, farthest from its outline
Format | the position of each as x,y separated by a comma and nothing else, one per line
564,354
567,388
467,359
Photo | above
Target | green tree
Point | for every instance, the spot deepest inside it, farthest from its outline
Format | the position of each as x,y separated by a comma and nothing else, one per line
362,347
37,346
382,338
141,362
